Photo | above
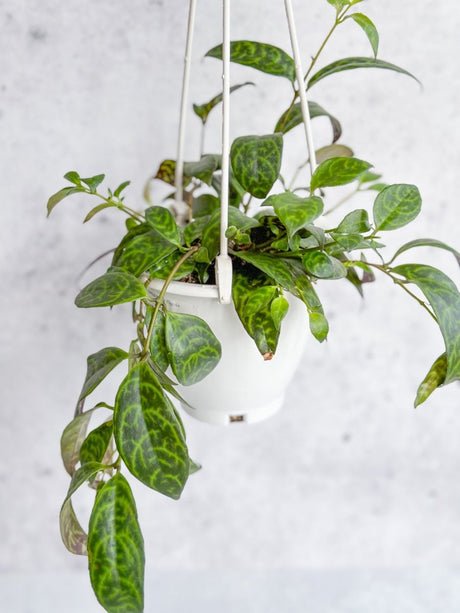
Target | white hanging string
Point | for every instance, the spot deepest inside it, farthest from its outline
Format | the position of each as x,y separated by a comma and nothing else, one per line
223,260
300,83
179,174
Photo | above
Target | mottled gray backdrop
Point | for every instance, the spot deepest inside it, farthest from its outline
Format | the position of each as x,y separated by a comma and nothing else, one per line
348,500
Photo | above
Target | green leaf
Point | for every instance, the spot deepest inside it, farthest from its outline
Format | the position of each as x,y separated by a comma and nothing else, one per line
333,151
203,169
158,349
256,162
193,350
110,289
205,204
72,438
339,4
252,297
338,171
211,233
60,195
148,435
73,536
444,299
95,445
98,209
120,188
278,309
396,206
93,182
349,242
143,252
350,63
116,549
164,224
167,173
356,221
368,28
319,325
73,177
293,117
323,266
203,110
425,242
434,379
293,211
98,367
260,56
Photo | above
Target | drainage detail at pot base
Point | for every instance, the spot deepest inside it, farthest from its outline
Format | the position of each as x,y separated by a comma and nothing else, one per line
247,416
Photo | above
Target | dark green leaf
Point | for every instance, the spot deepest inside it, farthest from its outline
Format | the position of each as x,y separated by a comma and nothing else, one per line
211,233
158,349
143,252
396,206
293,211
356,221
203,169
147,433
60,195
252,298
293,117
434,379
84,474
256,162
93,182
338,171
260,56
368,28
95,445
98,367
444,299
323,266
205,204
426,242
167,172
110,289
164,224
351,63
203,110
193,350
73,177
116,549
72,534
195,229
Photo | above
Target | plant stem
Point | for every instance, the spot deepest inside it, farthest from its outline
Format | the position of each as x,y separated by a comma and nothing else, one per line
160,300
120,206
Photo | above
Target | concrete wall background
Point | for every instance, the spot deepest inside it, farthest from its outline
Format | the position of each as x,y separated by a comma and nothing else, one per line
348,475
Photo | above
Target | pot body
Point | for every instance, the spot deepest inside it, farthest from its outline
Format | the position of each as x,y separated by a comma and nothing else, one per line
243,387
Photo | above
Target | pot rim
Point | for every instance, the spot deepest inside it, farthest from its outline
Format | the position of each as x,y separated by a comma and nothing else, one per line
182,288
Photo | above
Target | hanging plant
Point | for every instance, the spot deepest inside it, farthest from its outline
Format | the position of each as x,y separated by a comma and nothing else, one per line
280,254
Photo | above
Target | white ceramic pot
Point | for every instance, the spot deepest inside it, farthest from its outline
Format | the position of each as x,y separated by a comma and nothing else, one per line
243,387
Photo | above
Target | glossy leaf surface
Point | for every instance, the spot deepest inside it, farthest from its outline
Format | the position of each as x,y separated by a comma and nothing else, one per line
142,252
99,365
211,234
116,549
110,289
396,206
350,63
426,242
319,326
338,171
95,445
434,378
293,117
444,299
162,221
293,211
256,162
193,349
260,56
252,299
356,221
148,435
323,266
158,349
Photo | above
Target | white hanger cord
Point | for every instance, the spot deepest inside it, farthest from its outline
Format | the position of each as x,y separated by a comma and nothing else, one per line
179,174
223,260
301,85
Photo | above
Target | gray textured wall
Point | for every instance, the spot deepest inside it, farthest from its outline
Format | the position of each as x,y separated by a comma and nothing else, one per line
348,476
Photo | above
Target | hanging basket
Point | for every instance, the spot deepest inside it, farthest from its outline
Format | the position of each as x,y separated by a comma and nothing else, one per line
243,387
